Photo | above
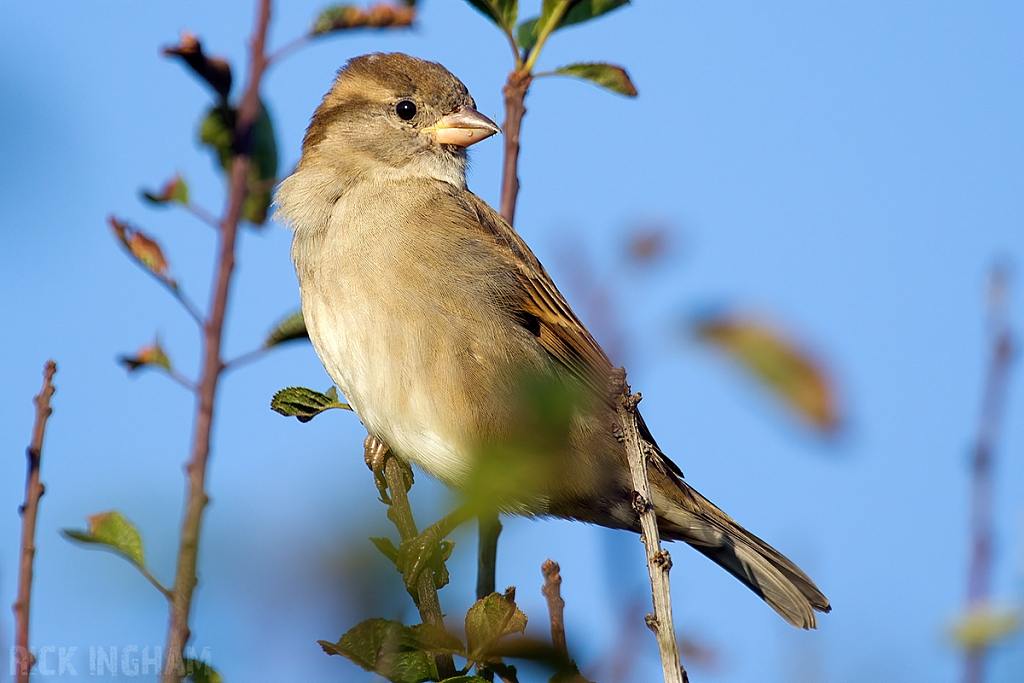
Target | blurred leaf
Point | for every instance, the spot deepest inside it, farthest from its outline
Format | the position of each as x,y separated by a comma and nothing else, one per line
305,404
386,547
216,72
648,243
144,250
465,679
501,12
112,530
608,76
147,355
174,190
490,619
787,370
984,626
578,12
436,640
385,647
200,672
291,328
381,15
217,131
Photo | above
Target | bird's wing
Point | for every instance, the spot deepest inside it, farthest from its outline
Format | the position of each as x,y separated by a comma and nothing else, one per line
536,303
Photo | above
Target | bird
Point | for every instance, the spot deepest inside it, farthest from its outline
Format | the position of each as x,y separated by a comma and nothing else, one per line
447,336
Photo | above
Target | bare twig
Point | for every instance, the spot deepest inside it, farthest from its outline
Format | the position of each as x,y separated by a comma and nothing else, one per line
490,529
515,108
288,48
400,513
552,591
994,401
196,498
658,561
203,215
245,358
34,489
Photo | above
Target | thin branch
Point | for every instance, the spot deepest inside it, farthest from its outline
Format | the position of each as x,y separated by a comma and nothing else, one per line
487,553
515,108
552,592
245,358
400,513
517,57
288,48
658,561
185,579
180,379
203,215
156,584
982,465
34,489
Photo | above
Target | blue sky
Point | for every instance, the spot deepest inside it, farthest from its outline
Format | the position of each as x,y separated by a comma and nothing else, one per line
848,169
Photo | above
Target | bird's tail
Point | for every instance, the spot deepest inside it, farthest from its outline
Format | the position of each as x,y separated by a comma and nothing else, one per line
685,515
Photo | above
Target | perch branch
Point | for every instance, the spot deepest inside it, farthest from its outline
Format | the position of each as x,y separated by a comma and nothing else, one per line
658,561
552,591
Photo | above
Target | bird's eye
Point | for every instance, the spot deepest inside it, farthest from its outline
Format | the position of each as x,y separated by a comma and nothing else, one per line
405,110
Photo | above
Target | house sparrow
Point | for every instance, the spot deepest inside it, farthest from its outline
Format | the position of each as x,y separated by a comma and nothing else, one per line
436,322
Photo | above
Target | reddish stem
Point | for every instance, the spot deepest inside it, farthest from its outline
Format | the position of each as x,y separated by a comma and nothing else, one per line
515,108
196,499
34,490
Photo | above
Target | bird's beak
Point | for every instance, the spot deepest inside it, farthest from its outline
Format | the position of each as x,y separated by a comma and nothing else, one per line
463,127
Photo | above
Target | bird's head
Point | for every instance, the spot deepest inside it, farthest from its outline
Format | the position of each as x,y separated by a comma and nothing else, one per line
396,115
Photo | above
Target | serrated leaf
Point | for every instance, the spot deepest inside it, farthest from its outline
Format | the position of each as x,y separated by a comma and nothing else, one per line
291,328
345,17
608,76
152,355
199,671
303,403
385,647
501,12
217,131
985,625
113,530
490,619
174,190
143,249
386,547
788,371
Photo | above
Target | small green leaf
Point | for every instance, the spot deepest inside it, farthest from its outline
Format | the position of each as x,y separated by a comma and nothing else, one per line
436,640
585,10
198,671
386,547
152,355
112,530
291,328
174,190
526,34
303,403
607,76
385,647
490,619
501,12
985,625
345,17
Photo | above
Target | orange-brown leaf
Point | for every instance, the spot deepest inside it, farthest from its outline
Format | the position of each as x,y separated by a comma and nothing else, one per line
789,371
145,250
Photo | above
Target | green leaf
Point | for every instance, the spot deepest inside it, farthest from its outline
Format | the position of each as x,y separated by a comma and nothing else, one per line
578,12
386,547
291,328
465,679
436,640
789,372
200,672
608,76
490,619
985,625
501,12
305,404
217,131
345,17
174,190
112,530
385,647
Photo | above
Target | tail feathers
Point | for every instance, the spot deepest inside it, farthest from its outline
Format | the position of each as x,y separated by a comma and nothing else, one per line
686,515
